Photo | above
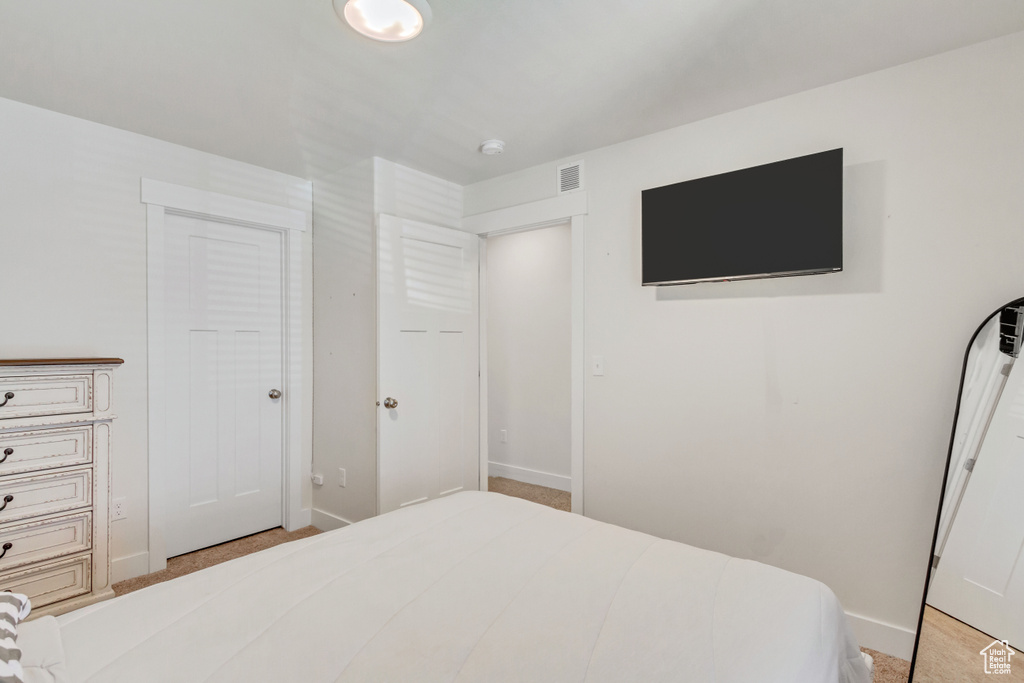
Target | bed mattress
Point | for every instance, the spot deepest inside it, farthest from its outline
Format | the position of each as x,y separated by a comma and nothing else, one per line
472,587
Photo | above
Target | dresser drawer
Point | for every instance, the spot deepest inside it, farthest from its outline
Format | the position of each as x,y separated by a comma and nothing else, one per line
45,540
44,494
50,582
45,395
42,450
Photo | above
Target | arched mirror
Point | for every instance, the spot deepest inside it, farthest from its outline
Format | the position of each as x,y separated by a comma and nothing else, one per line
972,620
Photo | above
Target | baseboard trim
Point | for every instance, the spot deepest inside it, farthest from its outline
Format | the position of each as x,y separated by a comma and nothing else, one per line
325,521
129,566
892,640
528,476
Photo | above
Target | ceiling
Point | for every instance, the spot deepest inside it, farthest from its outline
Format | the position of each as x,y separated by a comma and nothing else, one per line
284,84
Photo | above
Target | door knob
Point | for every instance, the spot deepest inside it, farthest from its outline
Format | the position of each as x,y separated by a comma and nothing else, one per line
390,403
274,393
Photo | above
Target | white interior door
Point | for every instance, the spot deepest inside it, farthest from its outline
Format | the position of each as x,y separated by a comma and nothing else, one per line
223,325
429,362
980,577
984,378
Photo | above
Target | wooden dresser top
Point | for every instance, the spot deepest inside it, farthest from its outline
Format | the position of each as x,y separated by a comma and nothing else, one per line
62,361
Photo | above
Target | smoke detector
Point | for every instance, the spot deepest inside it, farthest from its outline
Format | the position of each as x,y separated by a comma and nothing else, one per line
492,147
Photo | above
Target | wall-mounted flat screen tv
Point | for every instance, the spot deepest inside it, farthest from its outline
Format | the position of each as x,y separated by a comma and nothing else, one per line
775,220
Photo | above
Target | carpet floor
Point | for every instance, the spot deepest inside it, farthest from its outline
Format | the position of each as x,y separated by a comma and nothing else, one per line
888,669
560,500
207,557
951,650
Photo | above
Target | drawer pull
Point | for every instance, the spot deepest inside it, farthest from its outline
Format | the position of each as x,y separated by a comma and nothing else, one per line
7,397
7,452
7,546
7,499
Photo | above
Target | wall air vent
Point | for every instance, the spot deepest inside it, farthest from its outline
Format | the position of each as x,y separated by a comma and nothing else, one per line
570,177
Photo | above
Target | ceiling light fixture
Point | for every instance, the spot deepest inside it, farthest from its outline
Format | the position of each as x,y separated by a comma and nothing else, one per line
492,147
390,21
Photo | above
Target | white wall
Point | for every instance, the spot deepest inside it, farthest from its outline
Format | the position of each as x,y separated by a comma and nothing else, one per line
529,308
345,327
804,422
344,346
73,264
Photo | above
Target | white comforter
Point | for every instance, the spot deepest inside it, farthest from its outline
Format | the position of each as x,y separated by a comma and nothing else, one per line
473,587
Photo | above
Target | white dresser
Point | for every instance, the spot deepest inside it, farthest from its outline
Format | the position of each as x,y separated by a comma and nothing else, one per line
55,424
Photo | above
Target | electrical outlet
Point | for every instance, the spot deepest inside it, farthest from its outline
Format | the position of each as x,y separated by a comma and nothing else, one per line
503,435
318,479
341,477
118,509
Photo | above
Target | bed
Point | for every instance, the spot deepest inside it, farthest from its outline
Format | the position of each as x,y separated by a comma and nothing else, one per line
471,587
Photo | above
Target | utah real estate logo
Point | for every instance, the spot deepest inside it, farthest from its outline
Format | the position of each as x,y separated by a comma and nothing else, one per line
997,657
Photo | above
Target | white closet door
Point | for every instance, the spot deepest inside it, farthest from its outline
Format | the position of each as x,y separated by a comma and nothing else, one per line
429,362
980,577
223,321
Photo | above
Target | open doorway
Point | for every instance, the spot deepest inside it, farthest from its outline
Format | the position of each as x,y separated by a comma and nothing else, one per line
569,207
529,363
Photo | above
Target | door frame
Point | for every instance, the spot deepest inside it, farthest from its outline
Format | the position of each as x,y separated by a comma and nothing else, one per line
162,199
566,208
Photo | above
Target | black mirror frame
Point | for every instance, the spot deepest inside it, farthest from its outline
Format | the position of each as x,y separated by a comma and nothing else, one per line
945,477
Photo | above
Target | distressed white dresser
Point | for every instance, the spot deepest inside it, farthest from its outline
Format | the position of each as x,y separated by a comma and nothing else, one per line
55,424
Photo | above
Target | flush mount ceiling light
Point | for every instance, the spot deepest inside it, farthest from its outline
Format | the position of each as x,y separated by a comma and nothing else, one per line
390,21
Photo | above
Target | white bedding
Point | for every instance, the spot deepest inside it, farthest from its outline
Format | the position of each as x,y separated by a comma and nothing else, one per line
472,587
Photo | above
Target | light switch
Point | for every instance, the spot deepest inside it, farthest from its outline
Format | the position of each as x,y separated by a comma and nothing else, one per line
598,366
503,435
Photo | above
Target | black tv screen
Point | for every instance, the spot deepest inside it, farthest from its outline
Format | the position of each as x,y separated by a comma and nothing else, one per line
783,218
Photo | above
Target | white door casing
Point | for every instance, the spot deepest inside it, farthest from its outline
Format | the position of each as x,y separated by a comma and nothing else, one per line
223,324
163,201
980,576
428,348
572,207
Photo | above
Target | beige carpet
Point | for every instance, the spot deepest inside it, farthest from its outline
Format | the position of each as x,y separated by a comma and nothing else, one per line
560,500
207,557
951,650
889,669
